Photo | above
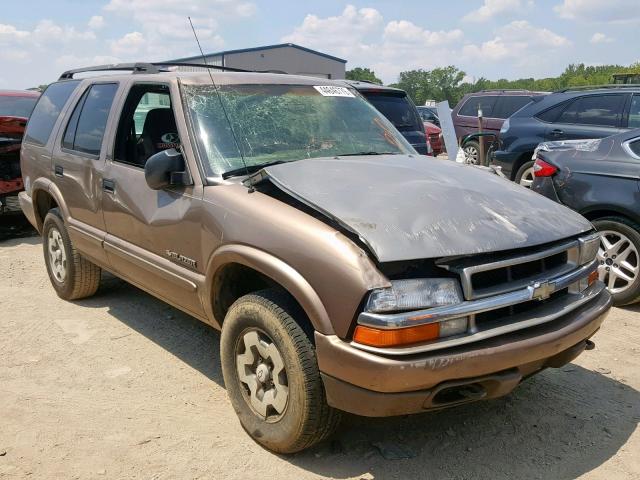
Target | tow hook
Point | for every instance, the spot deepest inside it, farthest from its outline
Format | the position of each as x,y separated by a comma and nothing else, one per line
589,345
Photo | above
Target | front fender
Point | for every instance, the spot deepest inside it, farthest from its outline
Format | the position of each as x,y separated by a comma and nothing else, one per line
275,269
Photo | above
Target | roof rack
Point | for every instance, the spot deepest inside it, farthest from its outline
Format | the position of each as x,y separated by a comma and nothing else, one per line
599,87
139,67
505,90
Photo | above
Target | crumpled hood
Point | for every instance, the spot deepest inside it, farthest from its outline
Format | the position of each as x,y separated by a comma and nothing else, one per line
405,207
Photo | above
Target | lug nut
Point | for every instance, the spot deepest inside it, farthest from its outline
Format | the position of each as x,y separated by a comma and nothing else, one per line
605,255
613,256
607,269
615,265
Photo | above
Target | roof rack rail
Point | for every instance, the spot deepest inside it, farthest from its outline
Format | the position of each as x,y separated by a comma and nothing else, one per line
599,87
140,67
505,90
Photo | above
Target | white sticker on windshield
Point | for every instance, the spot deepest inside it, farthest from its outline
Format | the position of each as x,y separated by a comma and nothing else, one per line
331,91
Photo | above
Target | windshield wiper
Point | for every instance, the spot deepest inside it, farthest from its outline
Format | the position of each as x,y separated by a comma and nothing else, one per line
249,169
365,153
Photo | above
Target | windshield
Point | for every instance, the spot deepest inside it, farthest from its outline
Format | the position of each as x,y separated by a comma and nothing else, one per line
17,106
279,123
396,108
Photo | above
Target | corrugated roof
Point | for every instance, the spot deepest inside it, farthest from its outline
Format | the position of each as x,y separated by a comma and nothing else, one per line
256,49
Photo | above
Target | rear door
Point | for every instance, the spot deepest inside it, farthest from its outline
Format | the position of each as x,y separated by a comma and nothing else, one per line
153,236
589,116
78,162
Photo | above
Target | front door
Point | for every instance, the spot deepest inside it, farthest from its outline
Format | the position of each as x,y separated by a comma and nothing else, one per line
153,236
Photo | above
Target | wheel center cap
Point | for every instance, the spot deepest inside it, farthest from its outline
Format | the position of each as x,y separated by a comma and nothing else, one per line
608,261
262,372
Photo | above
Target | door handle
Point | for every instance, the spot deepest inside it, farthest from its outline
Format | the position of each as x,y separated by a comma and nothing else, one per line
108,185
58,171
556,132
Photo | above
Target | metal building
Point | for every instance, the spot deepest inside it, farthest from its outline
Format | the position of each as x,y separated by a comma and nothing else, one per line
285,57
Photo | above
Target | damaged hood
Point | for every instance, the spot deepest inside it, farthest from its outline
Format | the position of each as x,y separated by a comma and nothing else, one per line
406,208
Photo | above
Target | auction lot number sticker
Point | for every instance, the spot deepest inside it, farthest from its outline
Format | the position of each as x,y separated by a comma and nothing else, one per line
331,91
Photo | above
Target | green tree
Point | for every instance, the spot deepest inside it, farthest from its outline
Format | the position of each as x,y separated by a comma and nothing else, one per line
363,74
437,84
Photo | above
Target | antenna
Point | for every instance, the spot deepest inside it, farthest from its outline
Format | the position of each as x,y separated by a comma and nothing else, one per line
224,110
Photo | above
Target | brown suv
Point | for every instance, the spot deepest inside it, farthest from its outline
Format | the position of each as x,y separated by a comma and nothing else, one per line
346,272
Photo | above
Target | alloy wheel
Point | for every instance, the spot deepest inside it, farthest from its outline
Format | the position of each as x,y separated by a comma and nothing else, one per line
619,261
57,255
527,178
262,373
471,154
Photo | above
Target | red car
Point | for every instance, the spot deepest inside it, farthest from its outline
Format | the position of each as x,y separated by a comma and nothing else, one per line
15,108
434,135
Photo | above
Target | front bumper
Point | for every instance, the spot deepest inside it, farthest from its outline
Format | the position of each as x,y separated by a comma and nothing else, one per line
370,384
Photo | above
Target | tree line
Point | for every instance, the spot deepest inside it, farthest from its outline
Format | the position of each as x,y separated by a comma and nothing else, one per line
447,83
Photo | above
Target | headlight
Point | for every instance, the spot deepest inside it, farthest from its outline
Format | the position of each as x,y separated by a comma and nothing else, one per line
414,294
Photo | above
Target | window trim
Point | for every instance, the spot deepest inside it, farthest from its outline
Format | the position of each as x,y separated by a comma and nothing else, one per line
83,98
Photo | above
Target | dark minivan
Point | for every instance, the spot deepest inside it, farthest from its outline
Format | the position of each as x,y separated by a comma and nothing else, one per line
396,105
496,105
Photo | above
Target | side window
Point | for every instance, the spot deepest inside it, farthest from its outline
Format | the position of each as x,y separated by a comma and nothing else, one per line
634,112
46,111
470,108
552,114
84,133
602,110
509,104
147,125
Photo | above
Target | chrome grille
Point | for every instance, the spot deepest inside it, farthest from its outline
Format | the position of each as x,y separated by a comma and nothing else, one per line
512,272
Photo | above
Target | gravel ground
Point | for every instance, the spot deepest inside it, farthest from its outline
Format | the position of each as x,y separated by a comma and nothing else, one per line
123,386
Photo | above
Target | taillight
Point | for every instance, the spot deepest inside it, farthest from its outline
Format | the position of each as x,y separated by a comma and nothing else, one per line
543,169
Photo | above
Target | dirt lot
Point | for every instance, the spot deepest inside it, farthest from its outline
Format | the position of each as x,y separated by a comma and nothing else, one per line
124,386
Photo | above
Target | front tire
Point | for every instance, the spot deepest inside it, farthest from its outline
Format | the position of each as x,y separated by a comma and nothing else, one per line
619,257
72,276
271,373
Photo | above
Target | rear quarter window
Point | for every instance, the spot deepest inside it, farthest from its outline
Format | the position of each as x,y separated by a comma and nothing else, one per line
507,105
47,110
470,107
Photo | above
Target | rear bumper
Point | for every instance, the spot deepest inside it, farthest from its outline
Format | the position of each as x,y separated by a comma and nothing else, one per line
26,204
368,384
545,186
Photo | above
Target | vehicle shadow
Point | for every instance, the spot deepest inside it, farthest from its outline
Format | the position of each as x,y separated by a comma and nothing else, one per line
559,424
15,225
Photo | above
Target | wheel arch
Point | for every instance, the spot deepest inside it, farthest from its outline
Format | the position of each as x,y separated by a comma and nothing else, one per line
45,195
257,269
596,212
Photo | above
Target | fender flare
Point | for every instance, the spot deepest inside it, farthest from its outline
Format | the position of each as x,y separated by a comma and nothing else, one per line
278,271
46,185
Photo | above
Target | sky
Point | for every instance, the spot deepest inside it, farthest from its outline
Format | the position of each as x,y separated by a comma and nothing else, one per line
485,38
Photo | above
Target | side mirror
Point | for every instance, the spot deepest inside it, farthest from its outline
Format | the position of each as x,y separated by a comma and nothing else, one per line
166,168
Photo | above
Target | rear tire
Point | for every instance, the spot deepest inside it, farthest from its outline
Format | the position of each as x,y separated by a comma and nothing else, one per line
471,151
524,176
72,276
271,373
620,262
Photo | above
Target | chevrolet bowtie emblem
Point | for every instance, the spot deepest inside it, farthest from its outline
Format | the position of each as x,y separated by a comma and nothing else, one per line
543,290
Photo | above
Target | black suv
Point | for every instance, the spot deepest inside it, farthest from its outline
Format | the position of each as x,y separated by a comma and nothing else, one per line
396,105
579,113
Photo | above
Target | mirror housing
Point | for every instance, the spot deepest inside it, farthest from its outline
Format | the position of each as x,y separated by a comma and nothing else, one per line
166,168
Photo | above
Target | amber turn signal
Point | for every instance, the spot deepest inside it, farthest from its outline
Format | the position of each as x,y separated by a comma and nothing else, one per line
375,337
593,276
